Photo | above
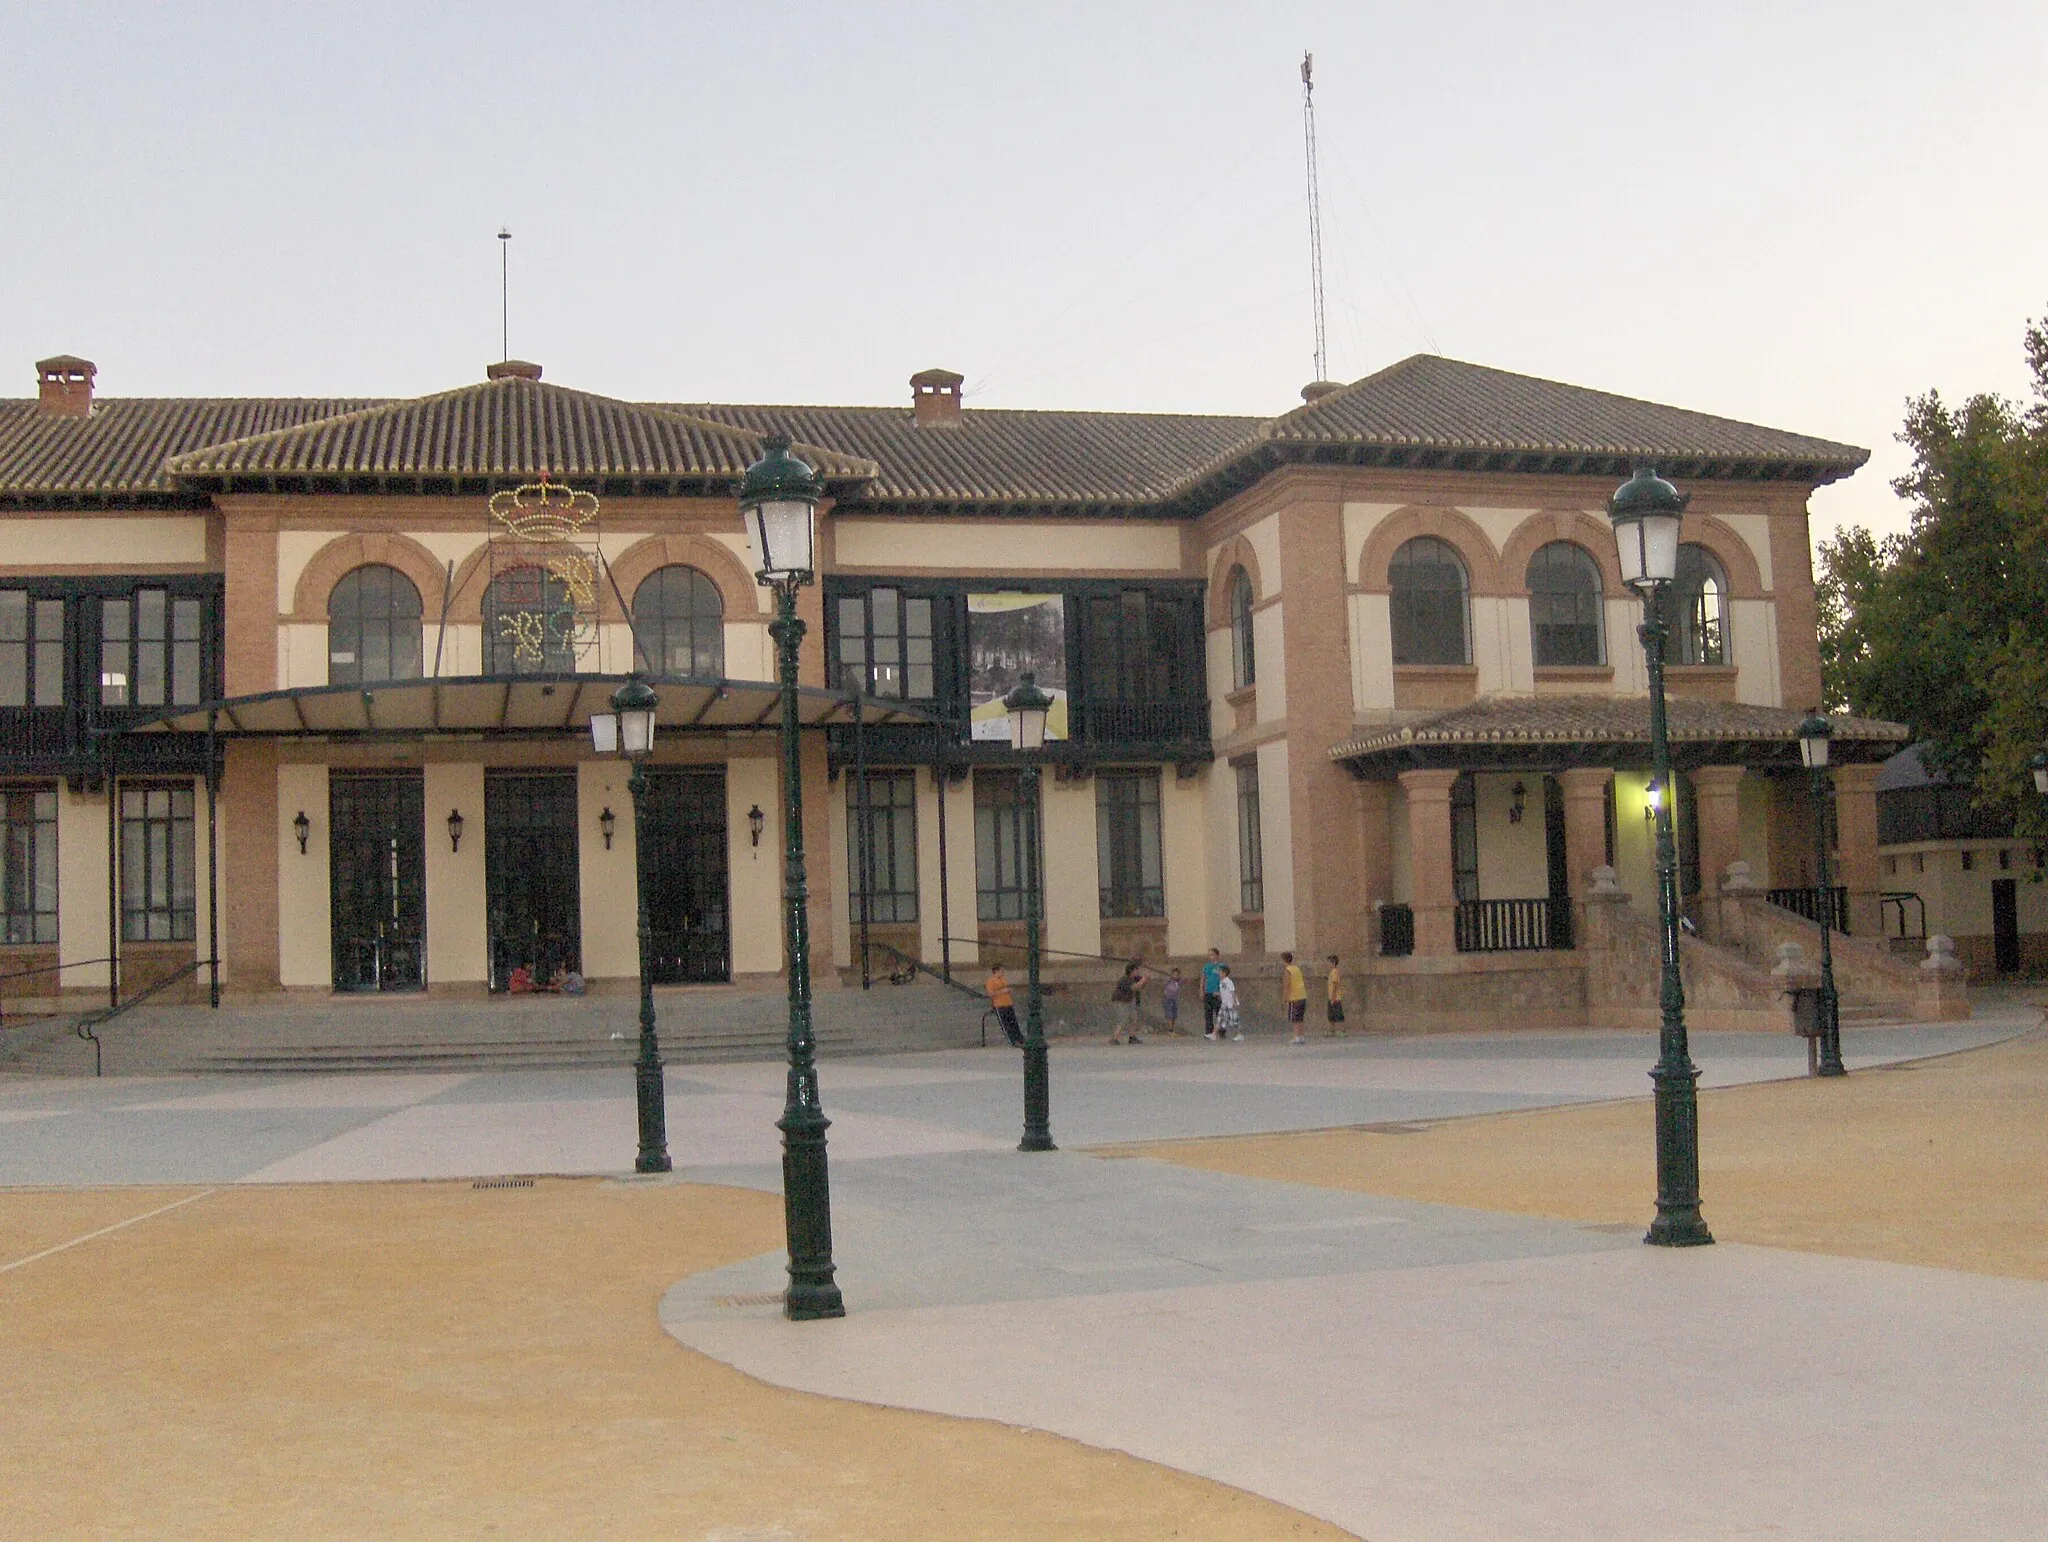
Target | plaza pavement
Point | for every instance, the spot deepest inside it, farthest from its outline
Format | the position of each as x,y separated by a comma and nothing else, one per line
1401,1368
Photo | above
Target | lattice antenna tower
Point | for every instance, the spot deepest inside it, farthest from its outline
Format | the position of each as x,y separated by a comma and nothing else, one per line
1315,211
504,292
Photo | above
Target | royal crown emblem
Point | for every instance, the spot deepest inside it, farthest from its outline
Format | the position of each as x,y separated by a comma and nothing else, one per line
544,511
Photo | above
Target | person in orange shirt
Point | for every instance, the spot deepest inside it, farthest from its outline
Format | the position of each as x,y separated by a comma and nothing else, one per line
998,987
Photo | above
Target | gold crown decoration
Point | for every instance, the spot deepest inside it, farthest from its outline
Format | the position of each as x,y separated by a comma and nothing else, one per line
544,511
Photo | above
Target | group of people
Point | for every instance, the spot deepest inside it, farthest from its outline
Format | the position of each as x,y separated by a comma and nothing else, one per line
1221,1017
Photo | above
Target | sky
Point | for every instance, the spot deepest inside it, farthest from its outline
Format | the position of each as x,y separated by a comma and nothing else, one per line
1794,214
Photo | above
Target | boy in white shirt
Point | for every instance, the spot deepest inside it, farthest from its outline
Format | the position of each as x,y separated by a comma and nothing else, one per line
1226,1010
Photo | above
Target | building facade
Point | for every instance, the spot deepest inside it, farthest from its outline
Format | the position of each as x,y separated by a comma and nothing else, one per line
303,686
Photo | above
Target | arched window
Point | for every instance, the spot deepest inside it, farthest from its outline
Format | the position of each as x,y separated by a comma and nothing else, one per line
1429,603
373,627
1699,609
529,624
679,618
1564,605
1244,667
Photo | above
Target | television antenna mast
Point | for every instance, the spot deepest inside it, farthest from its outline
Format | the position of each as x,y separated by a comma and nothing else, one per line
505,293
1315,210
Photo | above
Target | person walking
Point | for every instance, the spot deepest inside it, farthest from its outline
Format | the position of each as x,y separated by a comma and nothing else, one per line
1212,991
1169,1002
1334,987
1129,992
998,987
1293,991
1228,1024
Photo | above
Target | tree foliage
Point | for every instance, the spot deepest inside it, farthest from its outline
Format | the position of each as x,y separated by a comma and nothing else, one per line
1945,628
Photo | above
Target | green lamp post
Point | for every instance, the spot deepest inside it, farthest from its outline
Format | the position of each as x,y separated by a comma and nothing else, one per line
1646,511
779,504
629,729
1027,707
1814,734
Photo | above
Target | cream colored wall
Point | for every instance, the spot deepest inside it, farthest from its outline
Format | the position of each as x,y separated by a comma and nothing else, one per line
1216,651
305,913
1498,523
1220,890
960,874
1635,845
1372,653
607,879
1360,520
1755,530
1753,650
1753,822
1264,539
755,872
1073,900
1276,835
1959,903
461,654
749,655
1269,650
1513,861
1400,850
1183,859
458,945
1625,649
170,541
987,547
82,885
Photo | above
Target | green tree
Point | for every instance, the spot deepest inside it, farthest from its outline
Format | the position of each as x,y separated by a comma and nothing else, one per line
1945,628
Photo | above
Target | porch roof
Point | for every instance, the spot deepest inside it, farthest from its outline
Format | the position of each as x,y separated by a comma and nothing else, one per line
1539,732
528,705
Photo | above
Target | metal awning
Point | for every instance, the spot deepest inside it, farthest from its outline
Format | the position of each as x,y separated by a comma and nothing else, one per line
527,705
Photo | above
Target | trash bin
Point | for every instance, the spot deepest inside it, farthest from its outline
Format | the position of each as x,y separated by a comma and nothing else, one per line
1805,1010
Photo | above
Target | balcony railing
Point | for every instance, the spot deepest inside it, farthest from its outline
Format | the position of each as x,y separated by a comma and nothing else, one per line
1397,931
51,741
1142,722
1807,902
1513,925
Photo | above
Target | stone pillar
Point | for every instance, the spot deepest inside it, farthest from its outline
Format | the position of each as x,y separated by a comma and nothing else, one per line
1376,875
249,655
1856,852
1585,831
1432,882
248,869
1718,810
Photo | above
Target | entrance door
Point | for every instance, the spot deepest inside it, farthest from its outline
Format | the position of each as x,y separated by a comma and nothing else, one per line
532,898
2005,924
377,866
683,865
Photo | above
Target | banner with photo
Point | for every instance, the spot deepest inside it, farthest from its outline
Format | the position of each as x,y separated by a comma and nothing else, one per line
1008,636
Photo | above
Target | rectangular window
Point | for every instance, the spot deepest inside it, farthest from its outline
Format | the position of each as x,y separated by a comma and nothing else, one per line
1251,842
892,845
28,864
1127,866
999,855
31,650
1465,838
885,645
158,899
150,650
1142,665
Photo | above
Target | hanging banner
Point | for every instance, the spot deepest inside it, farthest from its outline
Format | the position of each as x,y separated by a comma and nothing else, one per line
1008,636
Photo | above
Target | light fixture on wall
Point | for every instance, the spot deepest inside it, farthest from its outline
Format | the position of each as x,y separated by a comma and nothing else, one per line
455,829
302,827
1519,794
756,823
1653,799
607,822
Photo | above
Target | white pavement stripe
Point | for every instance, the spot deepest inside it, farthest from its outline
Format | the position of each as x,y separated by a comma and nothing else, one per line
21,1263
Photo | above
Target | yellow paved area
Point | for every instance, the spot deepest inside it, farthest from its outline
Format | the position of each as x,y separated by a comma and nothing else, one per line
435,1360
1941,1162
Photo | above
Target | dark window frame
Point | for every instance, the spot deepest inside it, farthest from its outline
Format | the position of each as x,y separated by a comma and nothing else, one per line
1000,858
891,846
1244,662
28,864
33,627
1251,841
1698,625
154,640
396,626
1465,838
659,625
1567,607
1130,844
159,893
1420,614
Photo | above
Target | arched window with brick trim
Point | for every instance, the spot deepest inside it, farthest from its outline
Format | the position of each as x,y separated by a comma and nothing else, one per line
1430,603
679,619
1244,667
1698,608
373,627
1564,605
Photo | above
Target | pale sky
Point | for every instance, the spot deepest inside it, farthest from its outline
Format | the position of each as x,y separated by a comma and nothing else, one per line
1794,214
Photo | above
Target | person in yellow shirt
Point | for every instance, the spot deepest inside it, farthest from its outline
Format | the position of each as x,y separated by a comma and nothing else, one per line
1334,986
999,997
1293,991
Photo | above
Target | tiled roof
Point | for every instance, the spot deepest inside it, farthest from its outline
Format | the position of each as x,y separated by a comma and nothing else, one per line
1519,722
512,427
119,452
1442,405
1005,455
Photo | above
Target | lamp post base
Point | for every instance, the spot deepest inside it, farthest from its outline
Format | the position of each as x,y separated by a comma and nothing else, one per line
1037,1099
650,1091
812,1292
1678,1223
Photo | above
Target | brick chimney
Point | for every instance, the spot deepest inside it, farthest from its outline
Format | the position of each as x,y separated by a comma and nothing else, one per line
512,369
935,397
64,386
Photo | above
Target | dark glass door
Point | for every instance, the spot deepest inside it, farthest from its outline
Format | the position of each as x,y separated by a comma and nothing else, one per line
377,867
532,897
2005,924
682,865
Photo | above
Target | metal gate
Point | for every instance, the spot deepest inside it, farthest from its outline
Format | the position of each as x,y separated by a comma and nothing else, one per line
682,855
377,878
532,898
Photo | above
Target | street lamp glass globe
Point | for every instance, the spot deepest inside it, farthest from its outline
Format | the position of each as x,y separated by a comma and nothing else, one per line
1646,511
635,704
1027,707
604,732
1813,742
779,504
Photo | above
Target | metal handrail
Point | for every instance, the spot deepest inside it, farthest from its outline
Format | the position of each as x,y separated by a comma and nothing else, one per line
85,1025
921,967
21,974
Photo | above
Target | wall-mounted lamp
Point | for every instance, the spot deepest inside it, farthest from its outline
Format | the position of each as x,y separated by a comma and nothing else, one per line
607,822
1653,799
756,822
455,829
1519,794
302,827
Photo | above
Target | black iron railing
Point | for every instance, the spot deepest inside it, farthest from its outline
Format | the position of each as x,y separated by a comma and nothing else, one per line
1397,931
1911,911
1143,722
1807,902
1513,925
